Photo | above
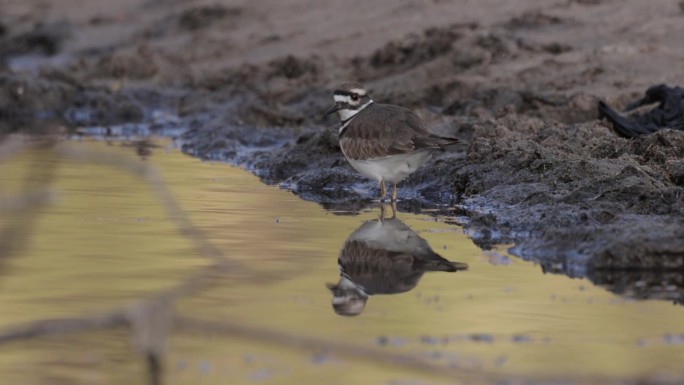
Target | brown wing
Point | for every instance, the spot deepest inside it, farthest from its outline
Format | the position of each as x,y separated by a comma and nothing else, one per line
383,129
357,258
378,270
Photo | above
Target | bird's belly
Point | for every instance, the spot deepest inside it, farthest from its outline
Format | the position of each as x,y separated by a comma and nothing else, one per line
393,168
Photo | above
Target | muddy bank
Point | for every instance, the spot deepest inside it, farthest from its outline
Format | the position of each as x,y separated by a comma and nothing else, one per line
569,196
518,83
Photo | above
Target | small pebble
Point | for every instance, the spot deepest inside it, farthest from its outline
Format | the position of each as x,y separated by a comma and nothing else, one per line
382,340
519,338
319,358
482,338
429,340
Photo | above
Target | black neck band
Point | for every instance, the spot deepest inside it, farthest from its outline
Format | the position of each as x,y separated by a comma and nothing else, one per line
344,129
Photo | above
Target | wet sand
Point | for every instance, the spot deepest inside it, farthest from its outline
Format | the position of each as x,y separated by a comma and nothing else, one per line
518,82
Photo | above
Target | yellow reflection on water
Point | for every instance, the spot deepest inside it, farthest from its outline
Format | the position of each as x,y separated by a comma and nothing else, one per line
105,241
102,241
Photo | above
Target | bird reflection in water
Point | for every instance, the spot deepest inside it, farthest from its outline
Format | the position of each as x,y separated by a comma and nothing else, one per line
383,256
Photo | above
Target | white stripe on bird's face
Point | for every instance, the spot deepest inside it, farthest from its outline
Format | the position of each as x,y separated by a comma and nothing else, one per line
343,99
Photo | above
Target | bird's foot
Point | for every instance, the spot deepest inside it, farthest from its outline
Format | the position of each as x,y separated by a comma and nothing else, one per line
383,211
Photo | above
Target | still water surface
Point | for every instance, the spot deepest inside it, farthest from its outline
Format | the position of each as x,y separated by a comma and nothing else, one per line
104,240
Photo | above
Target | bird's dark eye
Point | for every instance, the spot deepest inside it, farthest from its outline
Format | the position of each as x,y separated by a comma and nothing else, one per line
355,97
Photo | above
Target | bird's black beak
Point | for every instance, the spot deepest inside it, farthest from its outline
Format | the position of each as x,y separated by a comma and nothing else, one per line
334,108
637,104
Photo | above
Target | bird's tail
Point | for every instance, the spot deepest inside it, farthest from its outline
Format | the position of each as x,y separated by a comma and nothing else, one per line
446,142
437,142
621,125
437,263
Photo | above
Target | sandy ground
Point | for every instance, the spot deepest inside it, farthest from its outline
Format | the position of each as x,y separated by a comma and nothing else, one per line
517,81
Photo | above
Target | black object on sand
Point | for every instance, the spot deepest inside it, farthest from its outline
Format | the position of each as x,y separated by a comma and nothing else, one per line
669,113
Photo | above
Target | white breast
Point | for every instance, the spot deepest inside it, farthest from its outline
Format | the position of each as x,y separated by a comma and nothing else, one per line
393,168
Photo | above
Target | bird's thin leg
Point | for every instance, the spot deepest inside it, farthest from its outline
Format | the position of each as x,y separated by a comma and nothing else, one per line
382,212
394,192
394,210
383,191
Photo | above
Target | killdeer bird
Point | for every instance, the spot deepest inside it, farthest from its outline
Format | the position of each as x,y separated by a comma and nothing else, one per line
383,256
382,141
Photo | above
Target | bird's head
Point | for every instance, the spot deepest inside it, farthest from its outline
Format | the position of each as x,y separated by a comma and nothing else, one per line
349,299
350,98
654,94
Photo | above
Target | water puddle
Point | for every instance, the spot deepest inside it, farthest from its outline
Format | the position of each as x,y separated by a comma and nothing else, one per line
243,285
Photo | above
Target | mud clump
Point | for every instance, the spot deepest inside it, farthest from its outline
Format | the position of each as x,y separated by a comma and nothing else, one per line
42,39
415,49
549,179
141,64
292,68
642,284
202,17
45,103
532,20
675,169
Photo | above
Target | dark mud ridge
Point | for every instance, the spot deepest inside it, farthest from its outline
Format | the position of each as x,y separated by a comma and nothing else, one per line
574,198
538,169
